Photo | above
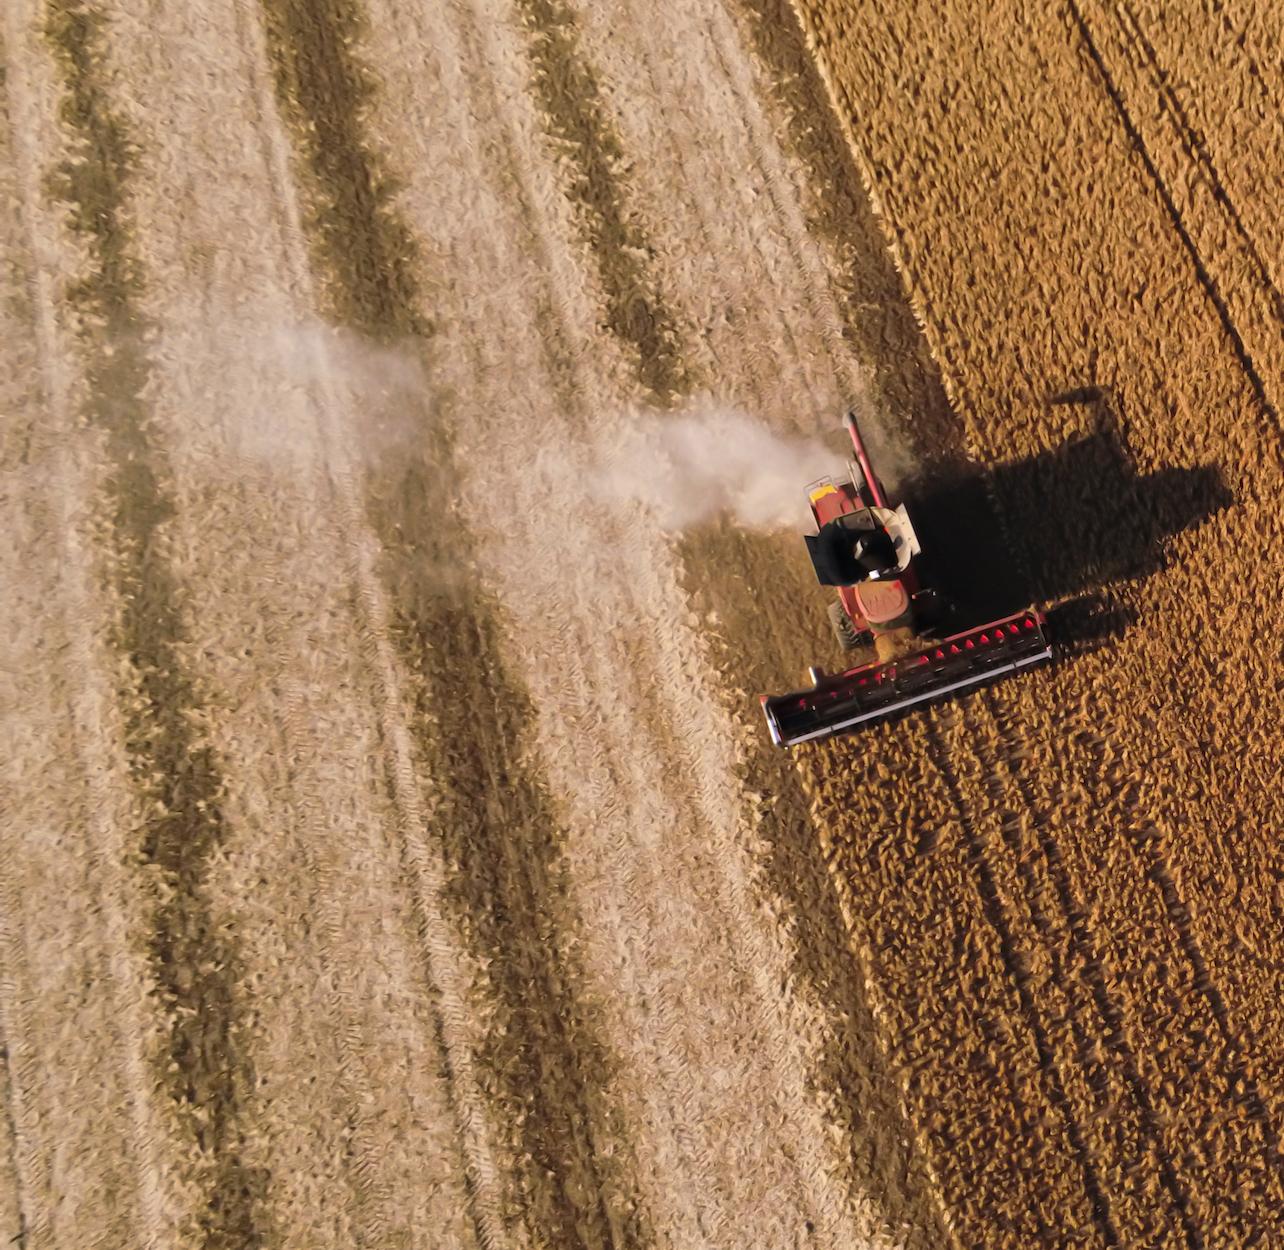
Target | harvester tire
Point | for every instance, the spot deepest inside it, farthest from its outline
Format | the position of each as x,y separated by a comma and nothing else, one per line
843,628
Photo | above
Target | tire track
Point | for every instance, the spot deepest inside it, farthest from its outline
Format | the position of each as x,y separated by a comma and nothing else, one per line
1206,280
1242,1086
1193,1194
1244,1089
13,1202
1195,146
469,720
1080,963
567,90
195,965
1019,974
14,453
1210,1195
947,999
1200,1199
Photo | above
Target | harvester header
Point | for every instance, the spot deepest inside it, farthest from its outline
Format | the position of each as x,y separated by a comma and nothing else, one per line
874,691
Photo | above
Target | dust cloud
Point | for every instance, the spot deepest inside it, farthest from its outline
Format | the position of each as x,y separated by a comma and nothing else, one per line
290,393
693,466
685,468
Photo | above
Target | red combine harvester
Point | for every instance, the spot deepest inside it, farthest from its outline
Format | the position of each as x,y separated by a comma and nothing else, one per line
868,550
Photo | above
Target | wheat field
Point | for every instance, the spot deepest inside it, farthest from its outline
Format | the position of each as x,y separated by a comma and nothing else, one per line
391,849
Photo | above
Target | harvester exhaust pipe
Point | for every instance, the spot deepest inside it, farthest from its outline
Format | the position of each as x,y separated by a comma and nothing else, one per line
862,459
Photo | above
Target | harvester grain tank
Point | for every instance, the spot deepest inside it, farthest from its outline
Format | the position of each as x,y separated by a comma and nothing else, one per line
868,552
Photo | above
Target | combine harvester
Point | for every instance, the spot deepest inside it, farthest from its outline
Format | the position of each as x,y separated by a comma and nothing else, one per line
869,552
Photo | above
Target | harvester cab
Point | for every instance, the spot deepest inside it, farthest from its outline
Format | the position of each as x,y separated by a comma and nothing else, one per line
865,545
868,550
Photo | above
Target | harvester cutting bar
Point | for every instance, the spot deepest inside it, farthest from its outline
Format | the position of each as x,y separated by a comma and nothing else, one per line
872,692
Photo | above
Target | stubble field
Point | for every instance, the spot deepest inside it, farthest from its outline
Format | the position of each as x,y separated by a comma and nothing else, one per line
390,849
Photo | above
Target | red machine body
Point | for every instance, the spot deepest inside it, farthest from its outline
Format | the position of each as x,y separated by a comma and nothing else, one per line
868,552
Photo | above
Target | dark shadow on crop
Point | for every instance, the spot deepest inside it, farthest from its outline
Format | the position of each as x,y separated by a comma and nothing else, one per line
1056,526
1088,622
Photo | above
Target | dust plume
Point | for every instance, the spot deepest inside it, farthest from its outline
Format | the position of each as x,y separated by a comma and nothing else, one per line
706,462
278,378
284,389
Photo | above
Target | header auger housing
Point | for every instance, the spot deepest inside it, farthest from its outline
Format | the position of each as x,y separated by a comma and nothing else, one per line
869,552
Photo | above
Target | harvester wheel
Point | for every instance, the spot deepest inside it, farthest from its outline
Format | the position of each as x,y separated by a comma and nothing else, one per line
848,637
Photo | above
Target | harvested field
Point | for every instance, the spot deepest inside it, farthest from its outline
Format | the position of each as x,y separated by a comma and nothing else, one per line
397,403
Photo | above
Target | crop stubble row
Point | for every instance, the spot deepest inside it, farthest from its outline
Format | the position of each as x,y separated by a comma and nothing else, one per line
1144,875
89,1153
351,1109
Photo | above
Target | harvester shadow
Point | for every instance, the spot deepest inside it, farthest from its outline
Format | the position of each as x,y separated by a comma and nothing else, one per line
1058,527
1085,623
